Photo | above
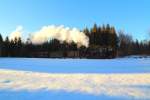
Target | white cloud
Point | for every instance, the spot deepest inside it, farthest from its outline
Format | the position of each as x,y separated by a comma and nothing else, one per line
54,32
61,33
16,33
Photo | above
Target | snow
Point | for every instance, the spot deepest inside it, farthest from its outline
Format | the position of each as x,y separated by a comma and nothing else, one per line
130,85
72,79
120,65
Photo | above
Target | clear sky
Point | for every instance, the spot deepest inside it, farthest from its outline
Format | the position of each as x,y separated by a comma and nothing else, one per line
133,16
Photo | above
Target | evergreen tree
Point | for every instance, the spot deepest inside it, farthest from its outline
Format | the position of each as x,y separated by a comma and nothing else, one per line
1,45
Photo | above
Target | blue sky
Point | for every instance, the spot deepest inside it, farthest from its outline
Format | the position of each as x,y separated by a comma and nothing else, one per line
130,15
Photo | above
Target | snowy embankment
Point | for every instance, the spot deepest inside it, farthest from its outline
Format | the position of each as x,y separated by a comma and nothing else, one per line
126,78
127,85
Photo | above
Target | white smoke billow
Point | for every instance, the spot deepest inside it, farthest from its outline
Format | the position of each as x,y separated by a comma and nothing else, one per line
60,33
16,33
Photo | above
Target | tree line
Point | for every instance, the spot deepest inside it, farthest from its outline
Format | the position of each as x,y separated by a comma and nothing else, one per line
104,42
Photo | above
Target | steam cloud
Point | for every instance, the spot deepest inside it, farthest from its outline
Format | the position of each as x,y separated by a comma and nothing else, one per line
16,33
60,33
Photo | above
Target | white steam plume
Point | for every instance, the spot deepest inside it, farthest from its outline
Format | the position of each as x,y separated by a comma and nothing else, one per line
16,33
62,34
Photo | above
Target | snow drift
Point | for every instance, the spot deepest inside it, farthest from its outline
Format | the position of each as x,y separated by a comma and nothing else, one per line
128,85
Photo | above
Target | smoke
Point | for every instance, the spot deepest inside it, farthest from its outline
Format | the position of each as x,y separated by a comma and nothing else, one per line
16,33
61,33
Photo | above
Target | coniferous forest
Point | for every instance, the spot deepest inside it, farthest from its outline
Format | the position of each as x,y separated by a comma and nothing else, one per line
104,42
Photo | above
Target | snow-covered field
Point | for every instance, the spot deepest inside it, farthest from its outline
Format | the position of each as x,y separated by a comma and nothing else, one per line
120,65
74,79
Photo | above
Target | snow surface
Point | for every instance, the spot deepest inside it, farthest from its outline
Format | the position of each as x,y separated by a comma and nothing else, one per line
127,85
120,65
74,79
